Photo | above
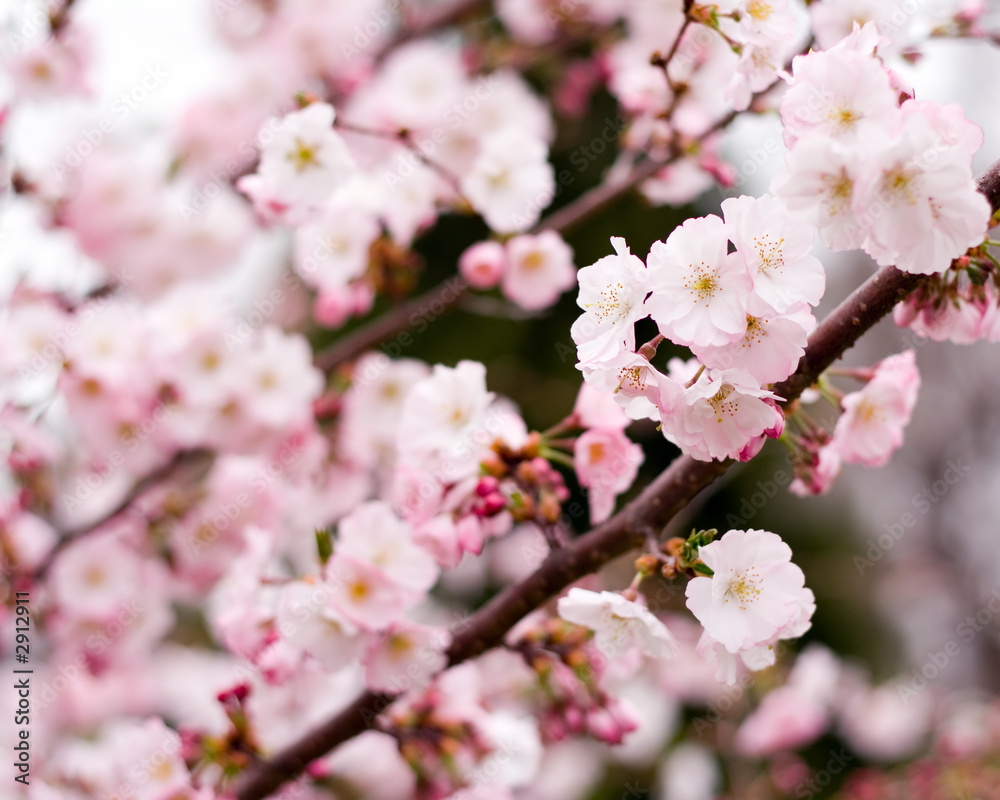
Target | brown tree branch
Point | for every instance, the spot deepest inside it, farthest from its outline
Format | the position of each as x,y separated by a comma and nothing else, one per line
648,513
196,460
567,218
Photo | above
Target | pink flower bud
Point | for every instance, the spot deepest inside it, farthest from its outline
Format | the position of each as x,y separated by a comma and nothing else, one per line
482,264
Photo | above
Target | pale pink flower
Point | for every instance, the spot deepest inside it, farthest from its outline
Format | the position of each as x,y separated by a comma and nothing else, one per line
607,463
699,290
364,593
483,264
539,269
612,291
308,622
777,251
762,21
597,409
443,414
331,248
53,69
920,203
278,380
721,415
729,666
888,722
758,68
404,657
948,121
965,316
755,593
635,384
839,94
373,406
819,186
871,428
618,624
301,166
373,533
511,181
772,346
786,719
835,20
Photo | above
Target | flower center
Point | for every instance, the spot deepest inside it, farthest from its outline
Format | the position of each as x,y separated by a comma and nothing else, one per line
759,10
755,331
610,303
770,255
844,117
634,378
899,183
303,156
743,588
840,190
721,404
703,283
596,452
533,261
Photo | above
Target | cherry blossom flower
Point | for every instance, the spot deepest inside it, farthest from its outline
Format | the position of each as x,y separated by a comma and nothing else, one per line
618,624
722,415
871,428
364,593
841,95
597,409
301,166
699,290
483,264
920,203
754,593
612,291
443,412
771,348
539,269
511,181
331,249
819,185
607,463
404,657
776,250
373,533
309,622
635,384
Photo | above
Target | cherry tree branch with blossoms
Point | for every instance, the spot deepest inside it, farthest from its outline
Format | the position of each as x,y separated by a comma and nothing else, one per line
254,557
647,514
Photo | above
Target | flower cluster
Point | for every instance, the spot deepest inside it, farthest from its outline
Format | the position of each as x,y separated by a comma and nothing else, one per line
738,292
894,180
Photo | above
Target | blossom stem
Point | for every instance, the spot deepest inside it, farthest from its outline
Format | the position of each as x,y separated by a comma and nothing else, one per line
648,350
557,456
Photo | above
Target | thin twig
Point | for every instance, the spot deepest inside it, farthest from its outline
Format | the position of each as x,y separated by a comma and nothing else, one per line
184,460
